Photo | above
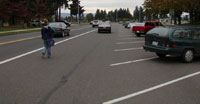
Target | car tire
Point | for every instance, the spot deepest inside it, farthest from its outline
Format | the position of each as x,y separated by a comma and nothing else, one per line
138,35
99,31
63,34
160,55
109,31
188,56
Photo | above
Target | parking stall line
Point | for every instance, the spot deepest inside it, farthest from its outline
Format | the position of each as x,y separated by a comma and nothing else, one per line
151,89
36,50
130,42
128,49
131,38
134,61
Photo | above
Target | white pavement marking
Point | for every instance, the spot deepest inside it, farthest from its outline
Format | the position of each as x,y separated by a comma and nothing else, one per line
134,61
28,53
131,38
125,36
128,49
151,89
20,30
130,42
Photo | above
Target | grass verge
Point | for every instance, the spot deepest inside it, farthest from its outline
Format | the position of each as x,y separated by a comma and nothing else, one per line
13,33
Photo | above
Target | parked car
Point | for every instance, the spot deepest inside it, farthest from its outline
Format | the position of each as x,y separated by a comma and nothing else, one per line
143,29
36,22
126,24
96,23
104,27
131,24
60,29
176,41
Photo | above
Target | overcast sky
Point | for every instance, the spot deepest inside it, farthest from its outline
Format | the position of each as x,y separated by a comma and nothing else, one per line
91,5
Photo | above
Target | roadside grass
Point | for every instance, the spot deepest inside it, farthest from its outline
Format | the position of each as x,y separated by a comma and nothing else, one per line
14,28
13,33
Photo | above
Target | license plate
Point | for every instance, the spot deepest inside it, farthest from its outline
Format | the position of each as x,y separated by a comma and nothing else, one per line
155,43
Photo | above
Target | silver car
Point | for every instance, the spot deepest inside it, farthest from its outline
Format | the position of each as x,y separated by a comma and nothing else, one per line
104,27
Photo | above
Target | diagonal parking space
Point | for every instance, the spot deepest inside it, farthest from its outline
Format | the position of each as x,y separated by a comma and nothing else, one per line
145,76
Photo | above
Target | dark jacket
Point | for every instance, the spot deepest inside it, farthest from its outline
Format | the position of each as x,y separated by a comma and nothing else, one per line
46,32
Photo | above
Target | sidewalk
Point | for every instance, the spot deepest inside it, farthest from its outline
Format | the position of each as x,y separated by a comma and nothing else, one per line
20,30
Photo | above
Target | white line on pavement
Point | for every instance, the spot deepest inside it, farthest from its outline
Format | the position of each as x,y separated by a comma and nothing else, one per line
28,53
134,61
128,49
130,42
131,38
151,89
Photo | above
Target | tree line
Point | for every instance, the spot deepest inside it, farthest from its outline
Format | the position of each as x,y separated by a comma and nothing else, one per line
158,8
113,15
13,11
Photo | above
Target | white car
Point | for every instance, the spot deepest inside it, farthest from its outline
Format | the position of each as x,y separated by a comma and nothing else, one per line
95,23
104,27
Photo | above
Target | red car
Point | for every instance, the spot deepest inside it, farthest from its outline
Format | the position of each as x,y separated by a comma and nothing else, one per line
143,28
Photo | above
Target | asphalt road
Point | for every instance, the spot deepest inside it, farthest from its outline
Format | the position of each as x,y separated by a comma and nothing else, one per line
93,68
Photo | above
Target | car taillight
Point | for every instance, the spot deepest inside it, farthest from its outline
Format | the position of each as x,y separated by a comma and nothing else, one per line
59,28
174,45
167,43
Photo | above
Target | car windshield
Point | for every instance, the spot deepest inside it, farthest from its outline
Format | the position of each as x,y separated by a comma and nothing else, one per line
160,31
55,24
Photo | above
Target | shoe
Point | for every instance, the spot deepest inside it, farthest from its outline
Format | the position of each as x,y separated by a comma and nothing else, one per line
43,54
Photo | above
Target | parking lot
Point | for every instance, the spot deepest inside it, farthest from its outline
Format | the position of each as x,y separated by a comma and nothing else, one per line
97,68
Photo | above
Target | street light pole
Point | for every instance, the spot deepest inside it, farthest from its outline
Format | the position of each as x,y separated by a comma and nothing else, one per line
78,13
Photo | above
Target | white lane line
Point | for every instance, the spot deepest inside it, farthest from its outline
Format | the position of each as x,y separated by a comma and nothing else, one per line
151,89
28,53
128,49
125,36
130,42
131,38
134,61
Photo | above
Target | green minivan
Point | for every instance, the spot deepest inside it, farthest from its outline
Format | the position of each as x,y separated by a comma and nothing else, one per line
181,41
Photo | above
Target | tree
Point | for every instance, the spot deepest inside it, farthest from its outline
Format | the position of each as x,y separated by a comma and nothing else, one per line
89,17
74,8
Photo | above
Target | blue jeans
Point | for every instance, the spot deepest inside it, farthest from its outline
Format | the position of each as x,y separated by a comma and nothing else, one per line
47,48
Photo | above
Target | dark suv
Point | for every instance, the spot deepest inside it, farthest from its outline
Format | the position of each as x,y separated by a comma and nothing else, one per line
177,41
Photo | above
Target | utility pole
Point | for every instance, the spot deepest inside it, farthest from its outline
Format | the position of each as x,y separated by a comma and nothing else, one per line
78,13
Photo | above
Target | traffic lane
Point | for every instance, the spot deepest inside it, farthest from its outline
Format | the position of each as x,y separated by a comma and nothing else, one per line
86,85
36,78
33,34
183,92
139,76
11,50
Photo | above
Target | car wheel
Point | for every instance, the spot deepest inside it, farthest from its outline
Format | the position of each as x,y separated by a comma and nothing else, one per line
109,31
63,34
160,55
188,56
99,31
138,35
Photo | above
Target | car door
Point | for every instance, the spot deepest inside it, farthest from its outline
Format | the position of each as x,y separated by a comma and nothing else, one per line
196,40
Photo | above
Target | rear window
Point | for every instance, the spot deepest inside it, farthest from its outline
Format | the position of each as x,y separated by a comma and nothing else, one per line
55,24
160,31
149,24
